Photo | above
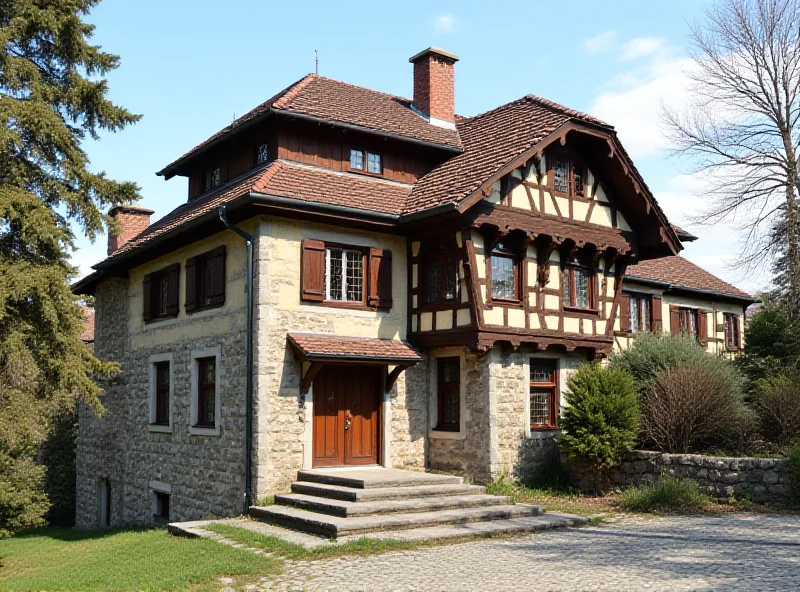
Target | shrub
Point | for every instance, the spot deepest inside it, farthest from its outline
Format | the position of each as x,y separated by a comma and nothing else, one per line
667,494
23,502
772,345
777,402
652,353
601,416
695,405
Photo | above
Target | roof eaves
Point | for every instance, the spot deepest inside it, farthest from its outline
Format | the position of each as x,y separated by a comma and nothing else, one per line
670,286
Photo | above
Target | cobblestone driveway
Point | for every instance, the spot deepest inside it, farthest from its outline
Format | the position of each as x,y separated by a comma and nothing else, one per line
677,553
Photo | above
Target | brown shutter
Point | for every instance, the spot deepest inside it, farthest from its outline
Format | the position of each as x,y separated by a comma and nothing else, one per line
702,327
174,275
674,321
147,297
380,278
657,323
625,312
740,340
312,271
217,258
191,284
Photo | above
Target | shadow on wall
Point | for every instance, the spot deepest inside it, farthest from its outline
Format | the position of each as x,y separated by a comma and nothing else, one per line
537,455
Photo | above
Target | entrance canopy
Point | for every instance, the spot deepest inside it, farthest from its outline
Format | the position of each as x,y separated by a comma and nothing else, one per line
315,350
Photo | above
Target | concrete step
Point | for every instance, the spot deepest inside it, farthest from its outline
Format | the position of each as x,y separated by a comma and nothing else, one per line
366,508
336,526
350,494
476,530
376,478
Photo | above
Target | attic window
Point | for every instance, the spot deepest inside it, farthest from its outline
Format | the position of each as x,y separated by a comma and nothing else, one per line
567,177
369,162
262,153
213,178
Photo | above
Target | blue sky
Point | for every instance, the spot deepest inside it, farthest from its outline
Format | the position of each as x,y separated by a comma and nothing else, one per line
190,67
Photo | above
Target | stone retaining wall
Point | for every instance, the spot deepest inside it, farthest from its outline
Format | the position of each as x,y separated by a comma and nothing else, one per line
764,480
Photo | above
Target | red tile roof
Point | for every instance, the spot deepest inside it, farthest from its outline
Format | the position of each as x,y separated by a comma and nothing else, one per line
293,180
88,324
315,345
340,102
491,140
683,274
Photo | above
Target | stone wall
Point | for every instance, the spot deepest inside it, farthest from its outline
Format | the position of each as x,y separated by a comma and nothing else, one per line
204,474
764,480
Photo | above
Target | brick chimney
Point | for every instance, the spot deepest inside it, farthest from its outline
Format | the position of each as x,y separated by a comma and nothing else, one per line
132,220
434,85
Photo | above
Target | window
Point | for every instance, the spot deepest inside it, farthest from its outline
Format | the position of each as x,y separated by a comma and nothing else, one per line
567,177
504,274
205,405
161,506
262,153
213,178
732,340
544,394
162,393
205,280
160,293
441,277
578,287
448,394
686,320
344,275
206,392
361,160
638,308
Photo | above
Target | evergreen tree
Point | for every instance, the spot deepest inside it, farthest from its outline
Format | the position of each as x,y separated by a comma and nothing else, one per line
52,97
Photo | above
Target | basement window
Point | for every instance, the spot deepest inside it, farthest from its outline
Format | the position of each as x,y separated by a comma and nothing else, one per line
161,506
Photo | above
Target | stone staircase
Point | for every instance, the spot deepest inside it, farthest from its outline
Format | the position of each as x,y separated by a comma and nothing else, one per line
399,504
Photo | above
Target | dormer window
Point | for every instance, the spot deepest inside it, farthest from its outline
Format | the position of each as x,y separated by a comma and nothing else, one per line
213,177
262,153
369,162
567,177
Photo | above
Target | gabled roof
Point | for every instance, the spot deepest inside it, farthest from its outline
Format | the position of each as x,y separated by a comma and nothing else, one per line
333,101
682,273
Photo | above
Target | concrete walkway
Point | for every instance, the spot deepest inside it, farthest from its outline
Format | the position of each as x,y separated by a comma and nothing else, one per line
743,552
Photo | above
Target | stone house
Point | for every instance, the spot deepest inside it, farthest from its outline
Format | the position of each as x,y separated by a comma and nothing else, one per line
362,279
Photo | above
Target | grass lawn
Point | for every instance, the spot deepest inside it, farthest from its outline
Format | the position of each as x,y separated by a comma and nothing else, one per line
152,559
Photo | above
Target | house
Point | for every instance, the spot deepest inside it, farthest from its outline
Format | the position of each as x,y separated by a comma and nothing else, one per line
359,279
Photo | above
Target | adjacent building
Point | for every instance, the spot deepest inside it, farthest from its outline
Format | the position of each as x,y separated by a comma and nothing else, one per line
360,279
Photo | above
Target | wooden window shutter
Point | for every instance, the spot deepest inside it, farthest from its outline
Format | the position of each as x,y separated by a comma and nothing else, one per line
702,327
312,270
174,274
147,297
625,312
191,284
217,258
655,307
674,321
380,278
739,334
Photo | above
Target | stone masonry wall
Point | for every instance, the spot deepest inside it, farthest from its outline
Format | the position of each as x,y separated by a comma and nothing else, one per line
204,473
765,480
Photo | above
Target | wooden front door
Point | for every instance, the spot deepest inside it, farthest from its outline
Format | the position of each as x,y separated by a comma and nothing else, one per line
346,416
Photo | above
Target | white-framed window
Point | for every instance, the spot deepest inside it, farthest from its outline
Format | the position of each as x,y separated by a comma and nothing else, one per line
161,392
448,394
344,274
205,407
262,153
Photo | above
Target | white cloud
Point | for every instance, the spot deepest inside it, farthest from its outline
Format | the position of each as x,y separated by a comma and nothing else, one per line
601,42
445,23
642,46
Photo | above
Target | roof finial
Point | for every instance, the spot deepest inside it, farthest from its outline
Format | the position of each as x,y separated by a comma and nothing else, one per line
316,62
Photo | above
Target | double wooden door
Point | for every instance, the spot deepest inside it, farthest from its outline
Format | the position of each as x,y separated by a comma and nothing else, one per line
347,403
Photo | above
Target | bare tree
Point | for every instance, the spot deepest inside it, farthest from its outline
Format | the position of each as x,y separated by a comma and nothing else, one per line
741,127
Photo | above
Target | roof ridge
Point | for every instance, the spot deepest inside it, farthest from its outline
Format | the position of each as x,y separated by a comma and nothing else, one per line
372,90
290,92
493,110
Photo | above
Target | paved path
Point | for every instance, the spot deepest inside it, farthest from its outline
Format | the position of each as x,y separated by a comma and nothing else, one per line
743,552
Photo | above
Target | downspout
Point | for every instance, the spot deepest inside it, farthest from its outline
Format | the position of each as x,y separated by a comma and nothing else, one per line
248,429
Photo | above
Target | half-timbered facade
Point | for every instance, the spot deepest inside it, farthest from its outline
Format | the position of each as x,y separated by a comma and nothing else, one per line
360,279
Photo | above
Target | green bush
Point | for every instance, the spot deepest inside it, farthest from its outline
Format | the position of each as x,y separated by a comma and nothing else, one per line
696,405
601,418
652,353
777,401
23,502
667,494
794,470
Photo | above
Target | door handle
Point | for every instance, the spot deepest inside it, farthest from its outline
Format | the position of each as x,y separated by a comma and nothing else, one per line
346,422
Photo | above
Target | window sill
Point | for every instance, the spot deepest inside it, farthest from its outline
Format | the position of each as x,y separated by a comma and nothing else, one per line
446,434
204,308
503,302
542,428
204,430
156,320
159,428
346,304
365,172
